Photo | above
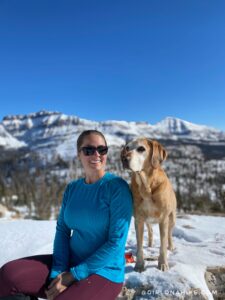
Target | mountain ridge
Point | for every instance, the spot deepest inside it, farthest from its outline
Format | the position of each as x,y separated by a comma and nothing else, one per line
47,131
167,120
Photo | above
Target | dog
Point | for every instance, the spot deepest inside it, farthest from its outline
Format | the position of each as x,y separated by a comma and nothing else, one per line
153,196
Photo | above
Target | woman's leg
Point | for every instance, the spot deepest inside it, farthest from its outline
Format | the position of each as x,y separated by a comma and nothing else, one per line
94,287
27,276
19,297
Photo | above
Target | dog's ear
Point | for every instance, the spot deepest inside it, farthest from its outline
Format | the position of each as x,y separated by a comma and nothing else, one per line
158,154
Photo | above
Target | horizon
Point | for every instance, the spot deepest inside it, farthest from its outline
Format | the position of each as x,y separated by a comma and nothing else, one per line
126,61
112,120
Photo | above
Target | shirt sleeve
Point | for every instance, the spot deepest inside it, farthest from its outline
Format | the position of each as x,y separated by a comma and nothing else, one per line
120,216
61,242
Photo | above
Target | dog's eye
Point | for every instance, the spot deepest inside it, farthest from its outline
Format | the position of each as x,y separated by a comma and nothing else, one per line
140,149
127,148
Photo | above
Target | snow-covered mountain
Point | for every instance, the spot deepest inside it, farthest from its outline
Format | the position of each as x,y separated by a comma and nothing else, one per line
177,129
54,133
8,142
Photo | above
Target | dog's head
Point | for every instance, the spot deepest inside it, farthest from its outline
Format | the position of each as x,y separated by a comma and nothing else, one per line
142,154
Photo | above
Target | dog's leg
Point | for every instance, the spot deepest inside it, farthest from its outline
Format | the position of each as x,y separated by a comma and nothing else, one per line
162,263
139,227
150,235
170,229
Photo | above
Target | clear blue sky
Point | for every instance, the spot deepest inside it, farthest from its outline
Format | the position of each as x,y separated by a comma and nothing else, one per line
123,60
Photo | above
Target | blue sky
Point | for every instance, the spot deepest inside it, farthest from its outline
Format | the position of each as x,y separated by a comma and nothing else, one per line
123,60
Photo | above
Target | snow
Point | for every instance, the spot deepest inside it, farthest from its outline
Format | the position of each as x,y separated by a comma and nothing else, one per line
199,242
176,125
8,141
113,140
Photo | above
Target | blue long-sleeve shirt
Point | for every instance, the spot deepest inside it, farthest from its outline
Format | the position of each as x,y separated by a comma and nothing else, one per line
92,229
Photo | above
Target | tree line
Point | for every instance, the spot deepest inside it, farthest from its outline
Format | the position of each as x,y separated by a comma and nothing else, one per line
39,187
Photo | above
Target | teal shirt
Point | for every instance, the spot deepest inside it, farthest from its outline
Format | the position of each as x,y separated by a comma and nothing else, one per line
92,229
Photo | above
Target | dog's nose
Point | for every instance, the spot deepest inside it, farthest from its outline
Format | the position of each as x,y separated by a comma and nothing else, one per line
124,159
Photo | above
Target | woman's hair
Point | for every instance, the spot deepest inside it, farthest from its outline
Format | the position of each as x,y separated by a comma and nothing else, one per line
85,133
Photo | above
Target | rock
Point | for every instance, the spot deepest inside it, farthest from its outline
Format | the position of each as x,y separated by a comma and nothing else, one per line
147,292
215,279
134,293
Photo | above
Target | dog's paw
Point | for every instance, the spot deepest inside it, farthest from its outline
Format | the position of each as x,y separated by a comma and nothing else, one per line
139,267
171,248
163,267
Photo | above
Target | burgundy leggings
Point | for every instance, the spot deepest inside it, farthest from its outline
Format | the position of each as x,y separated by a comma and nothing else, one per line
29,276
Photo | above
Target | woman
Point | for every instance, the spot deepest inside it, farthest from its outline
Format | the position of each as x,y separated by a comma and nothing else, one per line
91,232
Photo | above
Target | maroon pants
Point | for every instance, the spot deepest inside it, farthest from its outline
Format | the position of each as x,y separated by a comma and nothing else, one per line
29,276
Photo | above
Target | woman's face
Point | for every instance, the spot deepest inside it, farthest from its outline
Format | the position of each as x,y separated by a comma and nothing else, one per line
95,162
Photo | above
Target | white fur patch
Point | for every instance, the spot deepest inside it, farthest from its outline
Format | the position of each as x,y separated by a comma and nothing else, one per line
137,158
136,162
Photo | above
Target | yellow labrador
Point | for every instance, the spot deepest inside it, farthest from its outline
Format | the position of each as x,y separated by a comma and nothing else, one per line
154,198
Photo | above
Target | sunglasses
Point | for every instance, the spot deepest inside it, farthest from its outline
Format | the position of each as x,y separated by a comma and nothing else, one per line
90,150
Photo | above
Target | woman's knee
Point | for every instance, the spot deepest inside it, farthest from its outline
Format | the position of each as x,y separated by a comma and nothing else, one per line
7,278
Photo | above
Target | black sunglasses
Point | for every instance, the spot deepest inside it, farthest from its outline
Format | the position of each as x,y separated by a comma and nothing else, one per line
90,150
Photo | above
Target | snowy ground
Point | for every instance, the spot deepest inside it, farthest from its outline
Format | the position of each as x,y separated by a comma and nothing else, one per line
199,241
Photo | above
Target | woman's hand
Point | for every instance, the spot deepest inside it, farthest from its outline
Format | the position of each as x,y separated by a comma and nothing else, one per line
59,284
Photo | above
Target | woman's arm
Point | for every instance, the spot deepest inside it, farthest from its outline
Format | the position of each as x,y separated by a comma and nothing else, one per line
61,242
120,216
